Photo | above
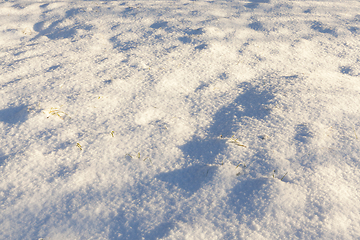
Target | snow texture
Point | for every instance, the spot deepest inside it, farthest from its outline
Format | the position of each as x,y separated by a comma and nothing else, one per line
186,119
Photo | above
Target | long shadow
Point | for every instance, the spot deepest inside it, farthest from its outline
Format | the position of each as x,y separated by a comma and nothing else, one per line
244,196
190,179
128,224
53,31
225,122
255,3
123,228
318,26
257,26
14,115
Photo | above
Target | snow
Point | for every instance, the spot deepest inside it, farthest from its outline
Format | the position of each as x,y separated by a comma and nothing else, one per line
179,119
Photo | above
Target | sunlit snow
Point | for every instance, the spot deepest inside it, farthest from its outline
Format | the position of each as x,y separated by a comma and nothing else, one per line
179,119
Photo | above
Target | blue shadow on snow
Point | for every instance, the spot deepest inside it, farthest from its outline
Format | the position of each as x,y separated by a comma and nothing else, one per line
226,121
14,115
123,228
244,198
318,26
190,179
257,26
54,31
255,3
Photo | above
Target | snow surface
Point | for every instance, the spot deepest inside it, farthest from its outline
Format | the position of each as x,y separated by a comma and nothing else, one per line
179,119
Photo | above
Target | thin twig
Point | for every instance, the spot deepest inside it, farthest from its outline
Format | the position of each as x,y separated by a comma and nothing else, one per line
283,176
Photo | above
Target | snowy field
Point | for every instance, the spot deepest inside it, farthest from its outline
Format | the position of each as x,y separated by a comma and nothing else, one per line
180,119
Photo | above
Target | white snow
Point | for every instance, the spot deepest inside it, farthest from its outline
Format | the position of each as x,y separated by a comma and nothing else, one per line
179,119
